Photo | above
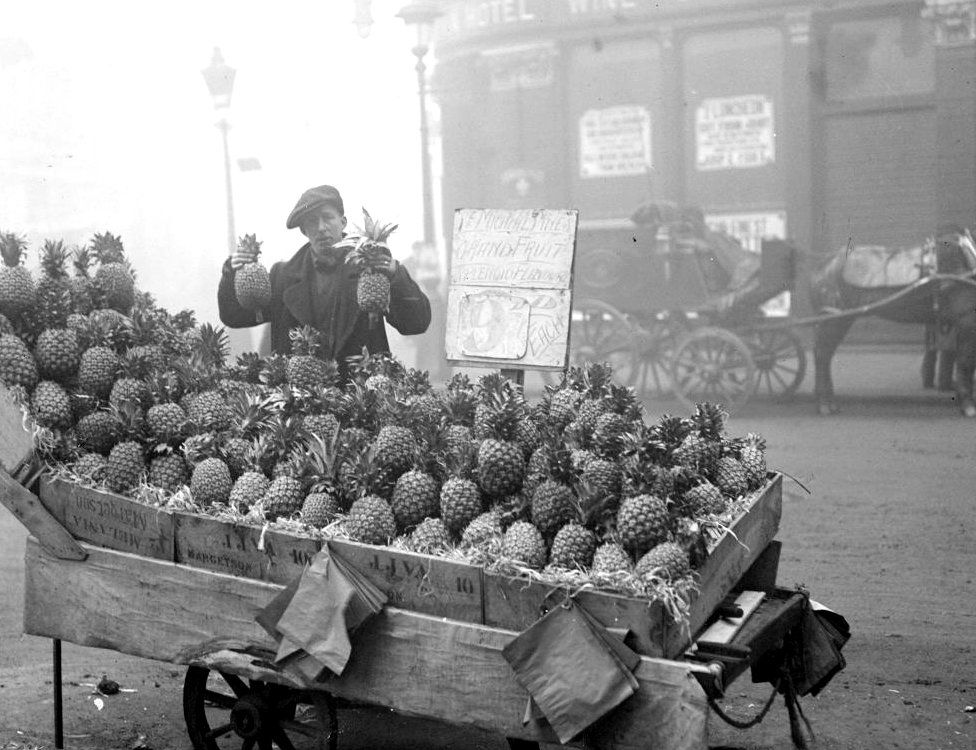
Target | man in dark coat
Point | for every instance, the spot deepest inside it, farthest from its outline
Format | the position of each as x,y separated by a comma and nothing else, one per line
316,287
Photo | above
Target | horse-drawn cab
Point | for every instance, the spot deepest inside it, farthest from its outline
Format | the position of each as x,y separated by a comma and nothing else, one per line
674,306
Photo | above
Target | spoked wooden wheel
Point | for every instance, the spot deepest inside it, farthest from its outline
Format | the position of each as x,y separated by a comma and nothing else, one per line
654,342
781,362
599,332
712,364
224,711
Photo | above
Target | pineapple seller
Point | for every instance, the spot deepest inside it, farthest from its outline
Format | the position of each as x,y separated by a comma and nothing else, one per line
317,287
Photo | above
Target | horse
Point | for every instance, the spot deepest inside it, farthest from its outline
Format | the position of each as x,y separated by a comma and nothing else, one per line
931,284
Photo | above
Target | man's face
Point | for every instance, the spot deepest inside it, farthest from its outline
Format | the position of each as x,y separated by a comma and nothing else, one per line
323,227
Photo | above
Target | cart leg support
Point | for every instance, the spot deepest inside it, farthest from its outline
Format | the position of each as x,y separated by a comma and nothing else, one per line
58,715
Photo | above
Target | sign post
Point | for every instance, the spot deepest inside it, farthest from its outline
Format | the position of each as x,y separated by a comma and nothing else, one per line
509,299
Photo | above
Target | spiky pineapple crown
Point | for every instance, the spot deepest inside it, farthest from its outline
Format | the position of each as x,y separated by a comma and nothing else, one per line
130,420
367,243
12,248
709,420
212,347
503,402
623,401
248,367
108,248
54,256
82,260
305,341
322,457
597,378
249,243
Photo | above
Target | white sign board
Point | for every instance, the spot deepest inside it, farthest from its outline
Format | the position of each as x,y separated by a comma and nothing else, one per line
510,295
735,133
615,142
749,228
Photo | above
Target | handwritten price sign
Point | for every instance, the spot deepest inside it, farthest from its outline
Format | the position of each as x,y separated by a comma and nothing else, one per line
510,293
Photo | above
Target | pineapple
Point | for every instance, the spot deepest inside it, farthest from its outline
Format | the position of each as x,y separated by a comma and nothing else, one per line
562,407
53,287
700,449
611,557
501,462
17,366
753,458
460,498
703,499
126,465
99,363
166,422
210,483
609,428
430,536
370,520
395,448
523,543
284,497
603,475
731,477
573,546
51,405
642,522
552,506
252,283
114,279
97,432
305,370
82,285
208,412
248,490
168,471
482,529
368,248
320,509
18,293
130,387
416,495
90,466
666,561
57,353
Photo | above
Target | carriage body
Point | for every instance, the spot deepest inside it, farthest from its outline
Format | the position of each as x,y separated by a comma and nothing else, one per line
677,308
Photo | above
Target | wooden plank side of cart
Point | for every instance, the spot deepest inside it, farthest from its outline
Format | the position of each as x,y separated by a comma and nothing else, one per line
414,663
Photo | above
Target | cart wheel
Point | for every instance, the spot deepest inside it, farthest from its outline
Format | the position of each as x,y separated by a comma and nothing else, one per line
781,362
654,342
712,364
225,711
601,333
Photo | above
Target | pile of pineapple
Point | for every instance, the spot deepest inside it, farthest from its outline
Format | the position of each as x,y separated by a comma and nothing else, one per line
129,397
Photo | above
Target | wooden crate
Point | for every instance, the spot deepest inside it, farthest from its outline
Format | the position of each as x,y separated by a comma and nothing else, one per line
515,604
421,583
225,547
410,662
110,520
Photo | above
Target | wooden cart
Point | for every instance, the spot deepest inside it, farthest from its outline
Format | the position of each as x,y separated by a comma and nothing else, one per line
106,571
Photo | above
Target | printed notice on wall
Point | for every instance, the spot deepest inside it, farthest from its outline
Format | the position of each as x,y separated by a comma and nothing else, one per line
734,133
615,142
510,295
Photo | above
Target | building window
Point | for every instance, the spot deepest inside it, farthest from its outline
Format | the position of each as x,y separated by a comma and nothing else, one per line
879,57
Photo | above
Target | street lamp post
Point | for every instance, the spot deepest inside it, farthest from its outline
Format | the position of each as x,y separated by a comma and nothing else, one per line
422,15
219,78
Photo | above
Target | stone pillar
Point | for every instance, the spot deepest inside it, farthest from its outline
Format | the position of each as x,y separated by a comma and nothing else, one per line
954,28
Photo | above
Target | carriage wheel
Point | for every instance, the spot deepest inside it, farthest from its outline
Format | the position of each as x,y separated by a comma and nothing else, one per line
712,364
654,342
601,333
781,362
225,711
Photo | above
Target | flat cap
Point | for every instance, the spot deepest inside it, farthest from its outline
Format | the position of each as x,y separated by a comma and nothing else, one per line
312,199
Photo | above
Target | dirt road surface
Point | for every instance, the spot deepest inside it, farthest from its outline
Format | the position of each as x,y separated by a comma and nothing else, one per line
886,538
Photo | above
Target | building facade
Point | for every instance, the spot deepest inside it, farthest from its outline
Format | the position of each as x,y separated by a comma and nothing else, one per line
826,122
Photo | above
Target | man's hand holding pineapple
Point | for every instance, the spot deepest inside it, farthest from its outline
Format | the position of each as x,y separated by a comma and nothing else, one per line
341,284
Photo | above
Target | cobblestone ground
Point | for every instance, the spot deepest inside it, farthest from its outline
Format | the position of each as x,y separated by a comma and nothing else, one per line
885,538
